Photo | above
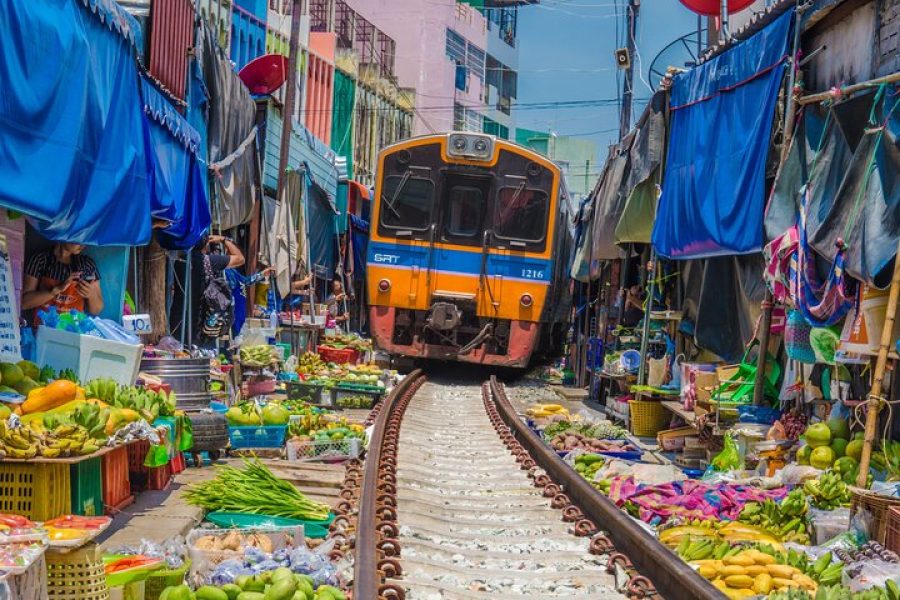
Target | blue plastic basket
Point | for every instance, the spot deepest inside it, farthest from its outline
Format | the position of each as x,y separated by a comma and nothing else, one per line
257,436
219,407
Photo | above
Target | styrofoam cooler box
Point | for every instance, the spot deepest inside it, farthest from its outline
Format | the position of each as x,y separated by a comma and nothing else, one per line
106,358
91,357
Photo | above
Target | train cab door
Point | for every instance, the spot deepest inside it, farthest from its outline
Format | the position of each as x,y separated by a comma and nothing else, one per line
462,222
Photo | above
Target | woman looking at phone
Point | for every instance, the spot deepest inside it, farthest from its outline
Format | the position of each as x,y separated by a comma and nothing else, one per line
62,277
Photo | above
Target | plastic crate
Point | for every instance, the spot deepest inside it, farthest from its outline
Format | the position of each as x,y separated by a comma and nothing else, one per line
648,418
116,485
315,450
298,390
86,485
39,491
338,356
159,478
137,453
257,436
371,396
159,580
76,575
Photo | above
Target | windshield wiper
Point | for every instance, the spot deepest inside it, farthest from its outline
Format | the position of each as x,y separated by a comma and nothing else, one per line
396,196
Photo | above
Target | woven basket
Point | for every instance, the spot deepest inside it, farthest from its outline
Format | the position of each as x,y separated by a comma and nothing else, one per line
647,417
76,575
877,506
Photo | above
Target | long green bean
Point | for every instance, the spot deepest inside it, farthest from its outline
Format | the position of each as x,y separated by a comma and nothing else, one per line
255,490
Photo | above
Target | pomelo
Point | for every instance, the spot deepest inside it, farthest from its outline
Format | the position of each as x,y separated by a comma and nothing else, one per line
839,446
803,455
839,428
821,457
818,435
854,449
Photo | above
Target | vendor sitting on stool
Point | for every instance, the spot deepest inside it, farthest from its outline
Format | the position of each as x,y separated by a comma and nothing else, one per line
64,278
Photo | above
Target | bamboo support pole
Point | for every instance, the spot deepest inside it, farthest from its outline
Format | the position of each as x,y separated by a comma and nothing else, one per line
848,90
874,400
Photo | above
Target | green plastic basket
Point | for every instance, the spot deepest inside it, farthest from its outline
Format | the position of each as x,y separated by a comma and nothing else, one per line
87,487
311,529
163,578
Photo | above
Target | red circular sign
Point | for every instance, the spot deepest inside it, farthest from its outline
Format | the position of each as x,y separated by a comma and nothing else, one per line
710,8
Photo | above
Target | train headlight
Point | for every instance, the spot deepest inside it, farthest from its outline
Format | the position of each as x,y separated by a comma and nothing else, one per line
384,285
470,145
526,300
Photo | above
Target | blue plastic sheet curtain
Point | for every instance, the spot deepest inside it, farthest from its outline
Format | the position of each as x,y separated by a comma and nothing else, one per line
320,213
359,231
72,152
722,113
178,192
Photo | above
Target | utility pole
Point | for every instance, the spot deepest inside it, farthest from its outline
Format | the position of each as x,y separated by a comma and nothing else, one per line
634,8
290,96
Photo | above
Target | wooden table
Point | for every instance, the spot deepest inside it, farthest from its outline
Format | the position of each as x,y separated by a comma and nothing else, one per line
678,408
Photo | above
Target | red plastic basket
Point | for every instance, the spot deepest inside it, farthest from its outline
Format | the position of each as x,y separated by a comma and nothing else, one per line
338,356
116,485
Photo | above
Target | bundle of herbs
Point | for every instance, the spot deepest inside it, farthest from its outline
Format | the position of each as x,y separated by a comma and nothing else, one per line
255,490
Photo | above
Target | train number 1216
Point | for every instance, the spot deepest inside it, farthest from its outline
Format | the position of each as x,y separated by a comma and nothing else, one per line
532,274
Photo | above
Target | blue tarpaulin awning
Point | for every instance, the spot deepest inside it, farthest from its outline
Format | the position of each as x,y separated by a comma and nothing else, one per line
178,193
72,152
713,194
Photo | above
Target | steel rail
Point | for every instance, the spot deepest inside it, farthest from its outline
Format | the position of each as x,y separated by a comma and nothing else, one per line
673,578
367,576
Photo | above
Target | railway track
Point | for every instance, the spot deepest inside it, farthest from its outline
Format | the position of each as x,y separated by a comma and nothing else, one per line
452,505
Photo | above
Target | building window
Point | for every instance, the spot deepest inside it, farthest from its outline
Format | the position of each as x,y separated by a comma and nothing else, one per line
456,47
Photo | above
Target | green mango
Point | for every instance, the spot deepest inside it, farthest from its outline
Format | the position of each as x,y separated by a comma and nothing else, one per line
251,596
283,589
232,590
181,592
208,592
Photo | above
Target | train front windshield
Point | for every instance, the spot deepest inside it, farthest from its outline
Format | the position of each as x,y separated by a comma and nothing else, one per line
510,199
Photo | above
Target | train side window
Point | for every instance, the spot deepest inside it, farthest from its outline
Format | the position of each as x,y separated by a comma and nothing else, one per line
406,203
465,207
521,214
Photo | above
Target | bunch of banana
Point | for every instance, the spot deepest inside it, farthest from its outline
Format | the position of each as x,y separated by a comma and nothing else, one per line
310,362
828,492
19,442
705,549
839,592
825,571
104,389
787,521
547,410
257,356
67,440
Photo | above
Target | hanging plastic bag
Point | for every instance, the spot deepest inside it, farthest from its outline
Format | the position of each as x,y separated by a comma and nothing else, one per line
729,459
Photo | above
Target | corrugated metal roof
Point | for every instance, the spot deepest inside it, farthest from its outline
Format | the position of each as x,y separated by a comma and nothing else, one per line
305,148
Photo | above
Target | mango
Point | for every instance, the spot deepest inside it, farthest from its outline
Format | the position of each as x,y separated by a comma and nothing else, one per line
739,581
762,584
251,596
741,559
231,590
707,571
780,582
804,580
781,571
719,585
756,570
729,570
282,589
208,592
